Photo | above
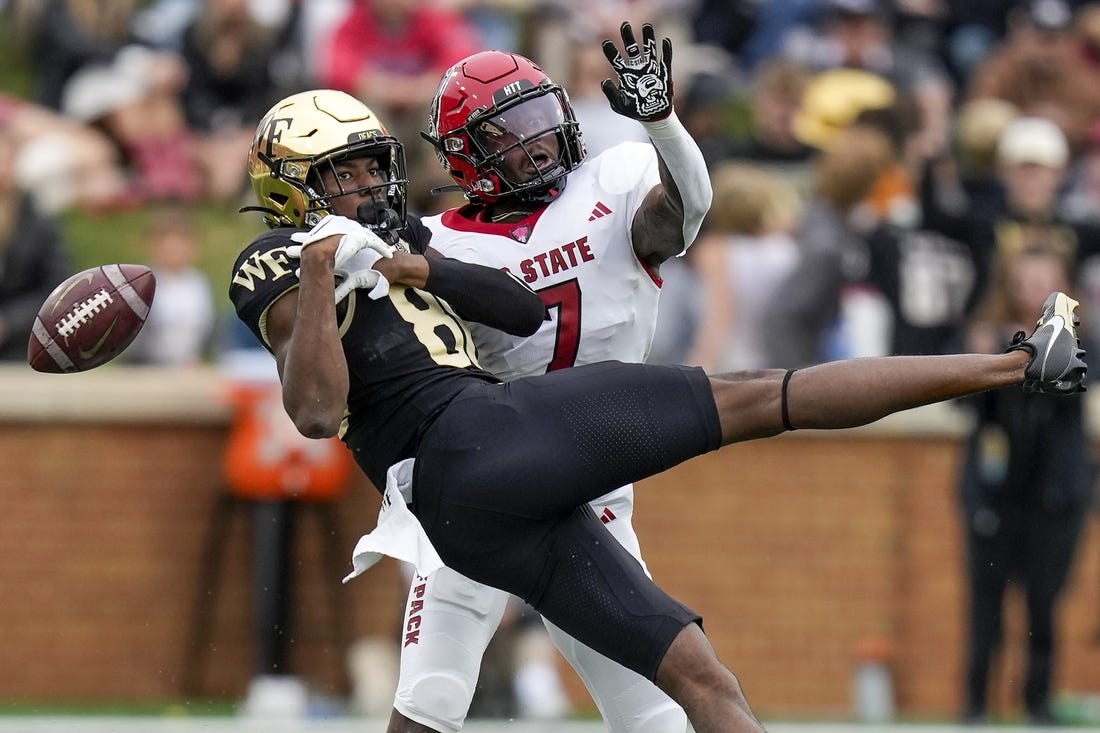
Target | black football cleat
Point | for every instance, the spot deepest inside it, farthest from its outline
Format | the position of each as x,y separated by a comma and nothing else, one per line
1057,363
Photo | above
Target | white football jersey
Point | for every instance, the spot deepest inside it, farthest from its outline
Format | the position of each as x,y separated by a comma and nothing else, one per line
578,255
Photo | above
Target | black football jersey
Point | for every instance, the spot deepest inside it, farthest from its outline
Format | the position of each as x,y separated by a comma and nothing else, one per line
408,354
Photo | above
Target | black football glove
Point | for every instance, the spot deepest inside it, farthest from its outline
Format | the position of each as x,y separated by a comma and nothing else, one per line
644,91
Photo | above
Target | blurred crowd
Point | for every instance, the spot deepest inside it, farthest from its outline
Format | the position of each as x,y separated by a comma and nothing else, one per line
872,159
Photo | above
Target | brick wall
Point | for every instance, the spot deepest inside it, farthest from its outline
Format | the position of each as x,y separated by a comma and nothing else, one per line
795,550
800,549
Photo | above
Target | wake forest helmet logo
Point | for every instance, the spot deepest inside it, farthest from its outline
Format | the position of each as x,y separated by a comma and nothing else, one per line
273,132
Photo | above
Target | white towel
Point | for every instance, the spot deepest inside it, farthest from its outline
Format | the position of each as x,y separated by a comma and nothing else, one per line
398,532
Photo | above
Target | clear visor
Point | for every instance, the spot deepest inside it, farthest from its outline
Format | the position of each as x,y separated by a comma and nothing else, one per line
522,123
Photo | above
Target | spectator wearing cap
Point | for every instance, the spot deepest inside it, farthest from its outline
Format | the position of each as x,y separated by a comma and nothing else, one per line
1032,159
1026,479
1041,69
833,100
858,34
1032,155
978,128
1025,484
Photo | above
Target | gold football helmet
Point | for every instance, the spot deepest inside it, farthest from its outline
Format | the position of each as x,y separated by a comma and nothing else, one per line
302,134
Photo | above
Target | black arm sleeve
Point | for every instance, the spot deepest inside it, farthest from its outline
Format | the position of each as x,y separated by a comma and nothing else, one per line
486,295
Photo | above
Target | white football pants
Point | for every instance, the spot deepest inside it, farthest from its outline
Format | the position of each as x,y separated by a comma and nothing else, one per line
449,621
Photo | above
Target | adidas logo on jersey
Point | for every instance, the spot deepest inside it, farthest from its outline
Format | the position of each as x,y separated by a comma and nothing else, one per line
599,211
607,516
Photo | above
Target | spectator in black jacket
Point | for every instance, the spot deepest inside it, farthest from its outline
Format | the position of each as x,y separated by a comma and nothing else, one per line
1021,211
1024,491
33,259
228,54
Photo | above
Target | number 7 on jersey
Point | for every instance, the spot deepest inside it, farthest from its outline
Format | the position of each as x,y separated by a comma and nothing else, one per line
566,297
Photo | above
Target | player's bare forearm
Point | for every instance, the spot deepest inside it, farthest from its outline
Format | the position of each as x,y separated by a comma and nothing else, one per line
658,227
404,269
306,339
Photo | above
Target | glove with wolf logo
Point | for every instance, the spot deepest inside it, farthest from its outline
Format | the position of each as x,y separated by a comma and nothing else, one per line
644,91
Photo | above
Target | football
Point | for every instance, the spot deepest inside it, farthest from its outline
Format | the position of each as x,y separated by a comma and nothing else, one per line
90,318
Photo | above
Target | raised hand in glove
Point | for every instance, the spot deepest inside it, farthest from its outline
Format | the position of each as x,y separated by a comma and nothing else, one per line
644,91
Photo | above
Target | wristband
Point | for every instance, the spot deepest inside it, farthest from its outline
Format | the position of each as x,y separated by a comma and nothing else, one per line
783,401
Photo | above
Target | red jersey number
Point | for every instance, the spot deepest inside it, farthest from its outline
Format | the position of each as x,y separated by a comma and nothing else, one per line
566,297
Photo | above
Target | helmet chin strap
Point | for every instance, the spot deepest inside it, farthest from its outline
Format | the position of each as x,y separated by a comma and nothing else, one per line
524,204
544,195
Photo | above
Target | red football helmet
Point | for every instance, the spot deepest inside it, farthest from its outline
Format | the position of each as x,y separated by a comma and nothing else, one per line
490,104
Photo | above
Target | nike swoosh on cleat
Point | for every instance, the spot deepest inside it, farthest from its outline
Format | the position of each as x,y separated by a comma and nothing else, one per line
1054,339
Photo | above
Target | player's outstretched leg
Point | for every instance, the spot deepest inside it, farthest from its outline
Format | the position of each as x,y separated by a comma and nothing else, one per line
710,694
844,394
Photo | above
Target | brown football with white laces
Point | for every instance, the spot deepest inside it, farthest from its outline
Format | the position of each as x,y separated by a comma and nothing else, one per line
90,318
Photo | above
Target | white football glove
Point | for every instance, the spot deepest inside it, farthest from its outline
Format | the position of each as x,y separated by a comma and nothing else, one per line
358,272
356,239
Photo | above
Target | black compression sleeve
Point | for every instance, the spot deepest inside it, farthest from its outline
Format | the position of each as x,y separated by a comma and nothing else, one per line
486,295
